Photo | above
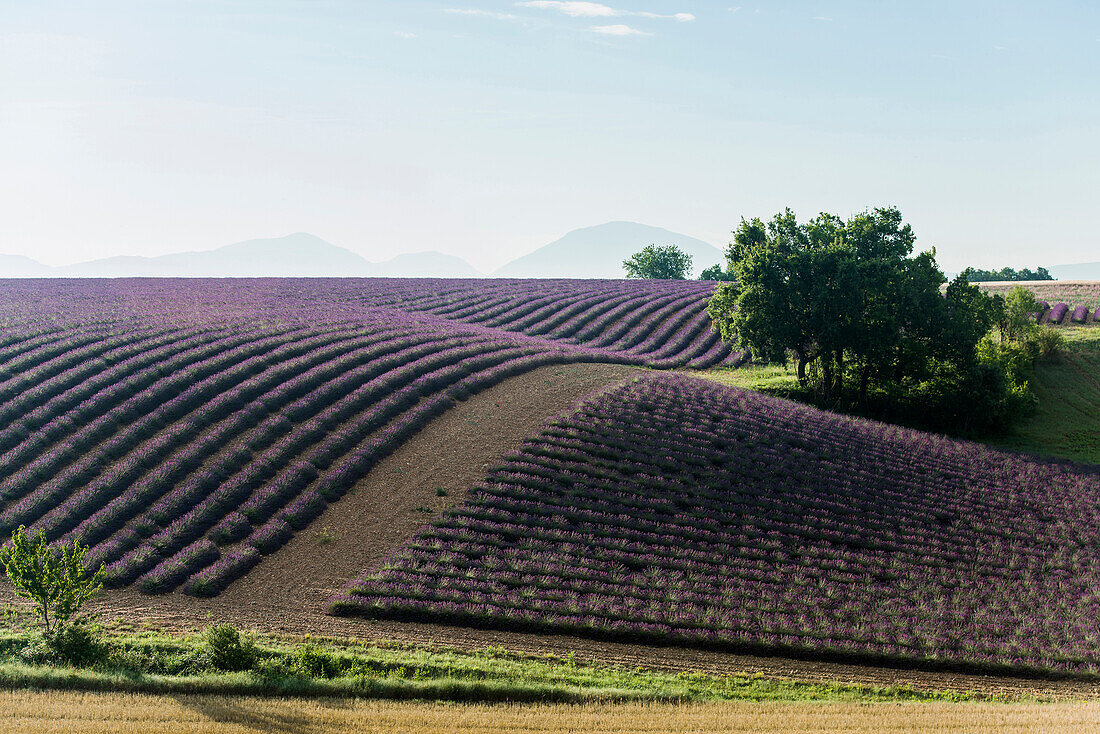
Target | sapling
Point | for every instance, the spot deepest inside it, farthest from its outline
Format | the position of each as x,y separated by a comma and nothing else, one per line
52,577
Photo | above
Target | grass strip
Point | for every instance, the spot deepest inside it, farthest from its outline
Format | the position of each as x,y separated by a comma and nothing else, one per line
160,663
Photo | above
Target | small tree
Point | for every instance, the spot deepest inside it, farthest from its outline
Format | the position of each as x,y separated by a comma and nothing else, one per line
1018,323
54,578
658,263
715,272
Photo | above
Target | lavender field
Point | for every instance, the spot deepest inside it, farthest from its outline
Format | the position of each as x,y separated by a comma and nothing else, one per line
185,428
673,510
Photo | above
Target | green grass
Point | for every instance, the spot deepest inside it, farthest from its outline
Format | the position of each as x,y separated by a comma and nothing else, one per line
773,379
1067,423
153,662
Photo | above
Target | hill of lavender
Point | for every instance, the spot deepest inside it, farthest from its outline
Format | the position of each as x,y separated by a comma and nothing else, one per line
185,428
675,510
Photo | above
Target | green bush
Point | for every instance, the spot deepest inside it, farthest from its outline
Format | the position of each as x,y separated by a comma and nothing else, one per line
1049,343
315,663
227,651
78,644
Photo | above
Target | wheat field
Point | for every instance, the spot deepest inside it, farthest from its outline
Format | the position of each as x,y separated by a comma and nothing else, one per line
39,712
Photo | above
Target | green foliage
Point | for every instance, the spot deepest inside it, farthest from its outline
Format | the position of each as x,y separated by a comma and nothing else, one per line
227,651
715,272
313,662
977,275
77,643
52,577
658,263
864,321
1017,317
164,664
1049,343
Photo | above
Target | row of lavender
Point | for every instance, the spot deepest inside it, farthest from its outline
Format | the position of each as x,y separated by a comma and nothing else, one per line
653,319
161,447
1056,314
674,510
184,444
661,324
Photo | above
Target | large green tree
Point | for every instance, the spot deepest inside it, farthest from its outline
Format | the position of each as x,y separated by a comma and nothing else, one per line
658,263
851,304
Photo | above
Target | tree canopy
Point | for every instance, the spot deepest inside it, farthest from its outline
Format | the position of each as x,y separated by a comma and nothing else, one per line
658,263
977,275
862,317
715,272
54,578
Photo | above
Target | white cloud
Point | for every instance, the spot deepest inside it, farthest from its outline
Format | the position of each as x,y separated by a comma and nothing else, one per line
618,30
734,10
404,34
573,9
597,10
484,13
823,17
682,17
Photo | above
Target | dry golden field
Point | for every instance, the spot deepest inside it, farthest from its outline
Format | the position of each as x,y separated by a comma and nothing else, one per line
84,713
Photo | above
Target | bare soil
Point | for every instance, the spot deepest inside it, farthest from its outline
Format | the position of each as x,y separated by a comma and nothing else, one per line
286,593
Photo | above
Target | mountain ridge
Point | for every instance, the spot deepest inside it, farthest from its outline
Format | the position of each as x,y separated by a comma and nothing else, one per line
599,251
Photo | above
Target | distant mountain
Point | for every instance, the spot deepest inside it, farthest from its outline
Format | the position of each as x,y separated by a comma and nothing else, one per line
18,266
1076,271
298,255
598,252
427,265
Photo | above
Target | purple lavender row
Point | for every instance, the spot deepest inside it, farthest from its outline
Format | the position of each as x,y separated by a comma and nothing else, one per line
939,553
43,454
287,484
115,433
221,450
41,364
194,440
17,342
353,466
75,398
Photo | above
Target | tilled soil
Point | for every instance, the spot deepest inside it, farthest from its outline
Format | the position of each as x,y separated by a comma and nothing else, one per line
286,593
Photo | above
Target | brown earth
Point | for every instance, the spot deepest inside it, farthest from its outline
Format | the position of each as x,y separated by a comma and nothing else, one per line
286,593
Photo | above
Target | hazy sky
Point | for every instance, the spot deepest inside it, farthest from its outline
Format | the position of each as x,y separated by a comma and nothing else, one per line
486,128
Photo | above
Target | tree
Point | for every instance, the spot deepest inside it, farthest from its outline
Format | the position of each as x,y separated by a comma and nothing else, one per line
977,275
54,578
861,316
658,263
715,272
1018,316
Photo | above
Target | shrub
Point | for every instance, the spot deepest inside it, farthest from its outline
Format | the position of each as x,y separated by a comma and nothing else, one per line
76,644
227,651
1049,343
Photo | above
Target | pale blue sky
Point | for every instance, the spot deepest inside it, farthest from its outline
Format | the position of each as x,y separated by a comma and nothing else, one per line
487,128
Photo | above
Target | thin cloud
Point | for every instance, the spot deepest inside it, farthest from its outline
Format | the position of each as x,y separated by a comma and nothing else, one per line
681,17
618,30
576,9
825,18
404,34
482,13
573,9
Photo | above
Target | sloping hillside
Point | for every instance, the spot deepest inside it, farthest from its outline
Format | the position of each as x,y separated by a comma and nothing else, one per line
676,510
184,429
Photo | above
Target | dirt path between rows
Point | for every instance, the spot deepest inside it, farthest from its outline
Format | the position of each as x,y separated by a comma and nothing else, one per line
286,593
